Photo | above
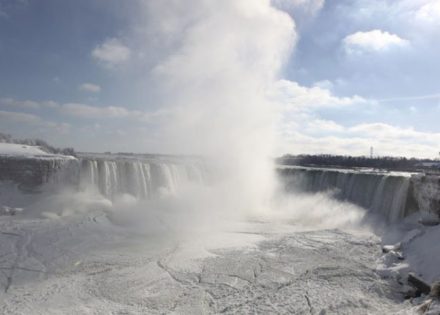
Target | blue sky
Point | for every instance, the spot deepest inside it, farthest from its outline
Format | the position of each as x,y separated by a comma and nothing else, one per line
362,73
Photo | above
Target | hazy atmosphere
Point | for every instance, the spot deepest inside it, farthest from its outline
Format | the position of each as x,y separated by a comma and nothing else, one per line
219,157
347,74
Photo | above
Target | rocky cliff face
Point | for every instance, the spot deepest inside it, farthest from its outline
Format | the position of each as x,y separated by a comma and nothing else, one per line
30,173
426,190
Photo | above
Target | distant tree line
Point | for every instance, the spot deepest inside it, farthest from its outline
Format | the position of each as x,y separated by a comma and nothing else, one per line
7,138
385,162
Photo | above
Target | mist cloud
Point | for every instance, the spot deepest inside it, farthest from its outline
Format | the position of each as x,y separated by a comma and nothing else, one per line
222,58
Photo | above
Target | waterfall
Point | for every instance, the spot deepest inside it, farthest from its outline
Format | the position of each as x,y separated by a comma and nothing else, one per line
141,178
392,195
381,193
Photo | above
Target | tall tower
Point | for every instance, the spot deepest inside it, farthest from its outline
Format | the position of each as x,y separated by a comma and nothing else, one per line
371,152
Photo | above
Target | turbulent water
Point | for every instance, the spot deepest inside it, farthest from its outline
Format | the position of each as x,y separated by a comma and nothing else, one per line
113,175
388,194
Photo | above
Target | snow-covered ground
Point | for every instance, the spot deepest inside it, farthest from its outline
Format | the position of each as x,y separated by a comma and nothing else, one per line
414,248
28,151
20,150
86,264
419,245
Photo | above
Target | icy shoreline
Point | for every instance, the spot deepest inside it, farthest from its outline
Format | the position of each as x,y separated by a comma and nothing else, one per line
86,264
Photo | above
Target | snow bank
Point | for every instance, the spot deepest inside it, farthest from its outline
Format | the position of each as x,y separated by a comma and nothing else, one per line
423,253
13,150
412,247
20,150
417,250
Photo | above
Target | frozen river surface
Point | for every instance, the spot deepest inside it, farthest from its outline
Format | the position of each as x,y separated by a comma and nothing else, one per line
87,265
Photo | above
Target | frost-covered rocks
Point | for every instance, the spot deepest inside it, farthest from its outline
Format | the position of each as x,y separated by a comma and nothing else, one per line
420,249
28,166
427,193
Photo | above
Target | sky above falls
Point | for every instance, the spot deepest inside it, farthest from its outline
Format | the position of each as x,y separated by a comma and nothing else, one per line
164,76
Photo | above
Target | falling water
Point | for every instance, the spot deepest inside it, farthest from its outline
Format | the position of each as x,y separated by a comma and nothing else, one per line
380,193
140,177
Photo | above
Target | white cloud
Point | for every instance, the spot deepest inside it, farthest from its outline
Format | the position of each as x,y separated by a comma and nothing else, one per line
111,52
375,40
324,84
50,104
300,9
22,104
296,97
316,136
25,119
388,132
19,117
78,110
87,111
105,112
429,12
303,131
27,104
90,87
322,125
411,98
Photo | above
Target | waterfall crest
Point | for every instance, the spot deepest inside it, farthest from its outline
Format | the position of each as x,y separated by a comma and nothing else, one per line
140,177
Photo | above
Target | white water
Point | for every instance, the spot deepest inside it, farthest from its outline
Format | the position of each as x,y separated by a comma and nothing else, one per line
142,179
380,193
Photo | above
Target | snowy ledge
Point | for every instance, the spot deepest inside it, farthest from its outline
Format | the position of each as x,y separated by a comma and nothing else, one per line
12,150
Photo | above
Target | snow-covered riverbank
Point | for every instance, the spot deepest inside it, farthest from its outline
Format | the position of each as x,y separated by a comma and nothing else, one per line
88,265
162,247
412,247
